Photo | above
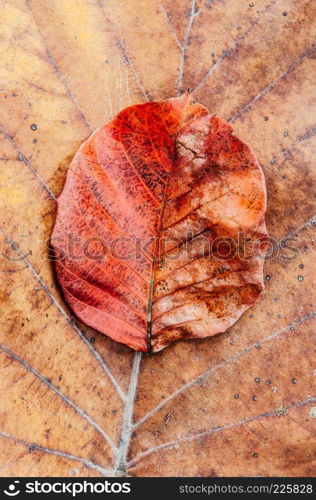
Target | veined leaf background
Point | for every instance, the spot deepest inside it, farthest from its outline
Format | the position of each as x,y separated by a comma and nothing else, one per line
74,403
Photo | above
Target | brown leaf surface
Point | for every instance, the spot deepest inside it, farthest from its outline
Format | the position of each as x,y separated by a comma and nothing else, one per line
72,401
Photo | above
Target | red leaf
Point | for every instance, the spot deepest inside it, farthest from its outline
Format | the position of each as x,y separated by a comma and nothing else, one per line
160,233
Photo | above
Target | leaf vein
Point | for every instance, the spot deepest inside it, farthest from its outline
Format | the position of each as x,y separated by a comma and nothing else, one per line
60,394
87,463
73,325
231,359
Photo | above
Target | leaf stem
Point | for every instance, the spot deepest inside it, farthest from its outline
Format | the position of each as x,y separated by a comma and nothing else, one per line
127,423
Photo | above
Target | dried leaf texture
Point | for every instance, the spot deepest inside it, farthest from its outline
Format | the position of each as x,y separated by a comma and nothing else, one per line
152,223
75,403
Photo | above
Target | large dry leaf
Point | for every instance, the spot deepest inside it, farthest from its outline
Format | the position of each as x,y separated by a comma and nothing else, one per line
160,232
74,402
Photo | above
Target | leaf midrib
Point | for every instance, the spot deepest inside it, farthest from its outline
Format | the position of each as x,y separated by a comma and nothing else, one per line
154,261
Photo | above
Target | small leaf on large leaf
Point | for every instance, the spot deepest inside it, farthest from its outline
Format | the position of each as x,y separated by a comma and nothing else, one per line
160,232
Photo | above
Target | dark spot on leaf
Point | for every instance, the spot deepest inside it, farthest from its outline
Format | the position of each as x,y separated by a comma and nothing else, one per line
254,398
92,340
300,278
257,380
255,455
268,382
33,126
236,396
294,380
